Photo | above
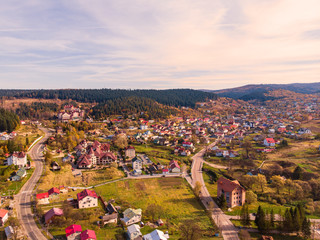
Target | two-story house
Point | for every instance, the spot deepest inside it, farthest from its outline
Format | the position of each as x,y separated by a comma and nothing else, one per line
131,216
87,199
18,159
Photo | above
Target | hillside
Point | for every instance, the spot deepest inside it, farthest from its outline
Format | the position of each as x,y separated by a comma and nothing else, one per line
170,97
142,107
249,92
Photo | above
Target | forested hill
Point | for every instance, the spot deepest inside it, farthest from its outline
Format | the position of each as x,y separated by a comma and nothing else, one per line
171,97
144,107
8,120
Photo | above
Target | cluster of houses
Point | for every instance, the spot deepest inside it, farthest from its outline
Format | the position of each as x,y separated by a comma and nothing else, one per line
45,197
74,232
90,155
4,136
18,159
71,113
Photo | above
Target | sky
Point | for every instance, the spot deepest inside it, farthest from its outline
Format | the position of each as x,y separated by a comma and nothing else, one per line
144,44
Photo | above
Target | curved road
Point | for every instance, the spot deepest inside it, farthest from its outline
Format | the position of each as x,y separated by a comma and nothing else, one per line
23,199
226,227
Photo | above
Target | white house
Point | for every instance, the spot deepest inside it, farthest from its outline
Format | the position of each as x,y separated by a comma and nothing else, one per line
131,216
43,198
304,131
134,232
17,158
136,164
87,199
269,142
156,235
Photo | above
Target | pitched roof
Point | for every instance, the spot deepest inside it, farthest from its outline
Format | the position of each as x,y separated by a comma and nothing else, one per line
270,140
3,212
88,234
130,213
73,229
53,190
228,185
19,154
42,195
155,235
53,212
86,193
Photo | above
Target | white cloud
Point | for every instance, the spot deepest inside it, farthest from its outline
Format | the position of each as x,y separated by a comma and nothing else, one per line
162,44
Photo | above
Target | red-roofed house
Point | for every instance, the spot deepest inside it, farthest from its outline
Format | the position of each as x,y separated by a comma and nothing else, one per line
18,159
269,142
4,214
234,193
53,192
174,166
73,232
53,212
187,144
88,235
87,198
43,198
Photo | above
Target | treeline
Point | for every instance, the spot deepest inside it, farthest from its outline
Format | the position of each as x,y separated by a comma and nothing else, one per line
8,120
292,220
145,107
171,97
37,110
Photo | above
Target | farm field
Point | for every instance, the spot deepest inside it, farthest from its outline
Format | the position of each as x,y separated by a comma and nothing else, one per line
173,195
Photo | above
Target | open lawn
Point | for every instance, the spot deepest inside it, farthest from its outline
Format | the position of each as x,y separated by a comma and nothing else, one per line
64,177
175,197
14,187
160,154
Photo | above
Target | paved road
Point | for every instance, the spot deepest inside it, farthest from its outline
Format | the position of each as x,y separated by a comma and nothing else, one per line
226,227
23,199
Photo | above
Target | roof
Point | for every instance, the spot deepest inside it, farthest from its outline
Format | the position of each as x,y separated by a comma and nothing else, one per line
155,235
3,212
88,234
19,154
53,190
130,212
53,212
228,185
86,193
270,140
42,195
73,229
110,217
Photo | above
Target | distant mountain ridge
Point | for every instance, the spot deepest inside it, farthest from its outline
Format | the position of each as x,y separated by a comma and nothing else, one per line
252,91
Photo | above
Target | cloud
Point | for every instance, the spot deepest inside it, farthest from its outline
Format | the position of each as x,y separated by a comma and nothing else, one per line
158,44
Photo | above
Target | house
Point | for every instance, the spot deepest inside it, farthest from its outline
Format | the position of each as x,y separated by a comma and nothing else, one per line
87,198
21,173
9,232
136,163
269,142
52,213
234,193
174,166
4,214
43,198
187,144
134,233
73,232
156,235
55,166
110,208
304,131
53,192
84,163
110,218
130,152
18,159
88,235
131,216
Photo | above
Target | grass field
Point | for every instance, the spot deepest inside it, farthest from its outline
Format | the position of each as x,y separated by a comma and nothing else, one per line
14,187
160,154
64,177
172,194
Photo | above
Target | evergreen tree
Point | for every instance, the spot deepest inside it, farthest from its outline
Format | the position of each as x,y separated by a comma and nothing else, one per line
244,215
222,202
261,220
287,221
306,228
297,173
296,220
272,218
